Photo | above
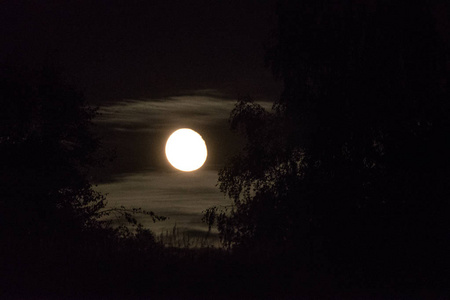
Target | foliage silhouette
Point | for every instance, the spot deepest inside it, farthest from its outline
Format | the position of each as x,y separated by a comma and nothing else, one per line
350,171
54,234
46,150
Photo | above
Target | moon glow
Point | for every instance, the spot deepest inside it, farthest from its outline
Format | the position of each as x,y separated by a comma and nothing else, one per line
186,150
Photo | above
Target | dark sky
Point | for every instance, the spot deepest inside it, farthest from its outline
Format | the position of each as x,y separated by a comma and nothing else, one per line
152,67
116,51
131,49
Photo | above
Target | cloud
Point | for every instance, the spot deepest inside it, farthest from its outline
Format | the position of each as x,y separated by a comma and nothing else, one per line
178,195
198,109
155,115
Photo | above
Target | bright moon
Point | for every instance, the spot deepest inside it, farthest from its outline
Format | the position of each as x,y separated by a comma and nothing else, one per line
186,150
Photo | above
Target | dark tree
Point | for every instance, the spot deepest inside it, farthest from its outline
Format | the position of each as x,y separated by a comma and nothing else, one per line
46,150
53,241
350,172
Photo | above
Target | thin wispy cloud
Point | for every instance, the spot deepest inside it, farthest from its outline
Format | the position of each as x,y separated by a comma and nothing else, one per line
199,109
178,195
155,115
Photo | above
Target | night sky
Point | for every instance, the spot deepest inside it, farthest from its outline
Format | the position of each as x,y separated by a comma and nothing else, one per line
152,67
145,49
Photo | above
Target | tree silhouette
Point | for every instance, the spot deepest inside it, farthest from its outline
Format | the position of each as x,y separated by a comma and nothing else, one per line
54,237
351,169
46,149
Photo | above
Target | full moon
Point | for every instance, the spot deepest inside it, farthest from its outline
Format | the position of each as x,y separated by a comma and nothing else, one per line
186,150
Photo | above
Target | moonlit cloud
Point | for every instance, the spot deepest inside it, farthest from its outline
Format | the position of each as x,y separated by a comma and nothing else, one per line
201,109
154,115
178,195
